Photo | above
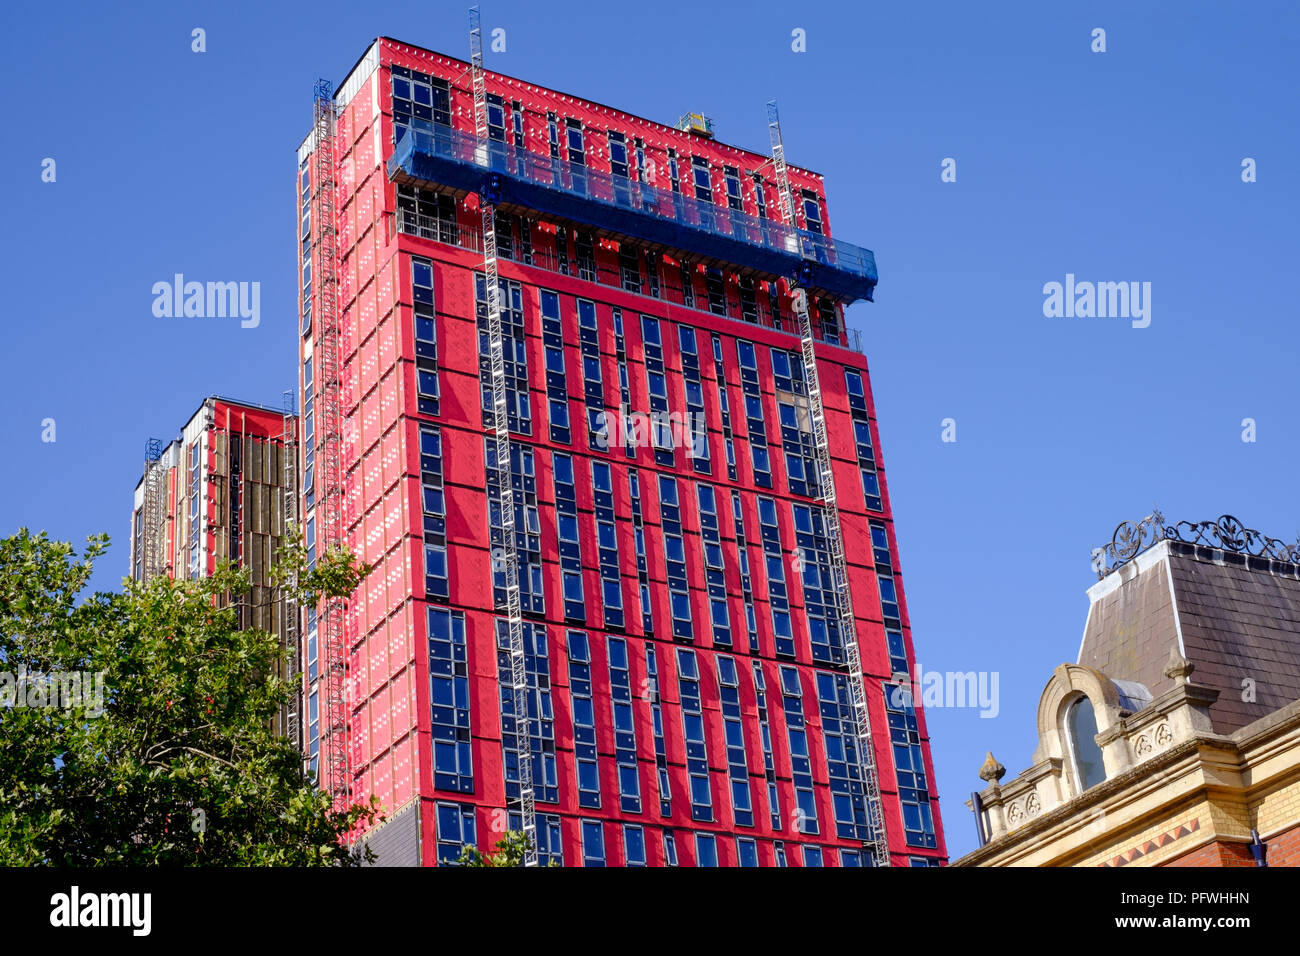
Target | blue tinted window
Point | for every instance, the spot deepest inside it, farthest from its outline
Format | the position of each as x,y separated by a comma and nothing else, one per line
593,843
706,849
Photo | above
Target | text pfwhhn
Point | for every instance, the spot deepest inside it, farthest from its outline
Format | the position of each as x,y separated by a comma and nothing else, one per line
68,690
1101,300
948,689
76,909
208,300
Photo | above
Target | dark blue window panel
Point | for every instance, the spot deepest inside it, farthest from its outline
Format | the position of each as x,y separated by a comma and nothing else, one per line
819,591
670,848
843,757
724,403
714,565
453,767
657,724
570,552
455,831
633,845
426,335
857,394
670,517
528,536
586,759
550,837
778,595
602,483
656,383
909,765
436,583
754,418
624,389
697,766
800,758
624,720
557,387
642,569
696,426
514,354
747,851
802,469
746,578
734,731
541,714
593,843
765,730
706,849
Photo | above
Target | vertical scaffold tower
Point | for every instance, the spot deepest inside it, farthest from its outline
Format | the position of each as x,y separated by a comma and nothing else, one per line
877,843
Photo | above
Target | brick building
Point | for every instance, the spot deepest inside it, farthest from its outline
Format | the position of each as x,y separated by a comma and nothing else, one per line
1175,738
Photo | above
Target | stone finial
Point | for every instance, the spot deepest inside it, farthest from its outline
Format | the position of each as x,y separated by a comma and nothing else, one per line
1179,669
992,771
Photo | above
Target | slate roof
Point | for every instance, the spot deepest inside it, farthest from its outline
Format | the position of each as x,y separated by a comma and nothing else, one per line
1241,628
1239,621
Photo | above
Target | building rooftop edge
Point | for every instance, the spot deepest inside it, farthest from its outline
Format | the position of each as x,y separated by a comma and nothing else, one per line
226,399
361,62
666,127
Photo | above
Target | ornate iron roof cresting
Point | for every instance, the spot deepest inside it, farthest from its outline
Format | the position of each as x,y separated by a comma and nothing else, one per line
1227,534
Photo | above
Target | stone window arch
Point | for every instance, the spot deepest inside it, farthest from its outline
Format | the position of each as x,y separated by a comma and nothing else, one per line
1070,684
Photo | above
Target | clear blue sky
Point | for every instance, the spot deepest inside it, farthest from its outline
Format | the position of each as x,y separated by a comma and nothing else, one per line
1117,166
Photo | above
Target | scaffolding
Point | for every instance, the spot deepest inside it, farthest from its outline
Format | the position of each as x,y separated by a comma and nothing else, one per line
154,519
696,123
501,419
329,457
877,843
289,610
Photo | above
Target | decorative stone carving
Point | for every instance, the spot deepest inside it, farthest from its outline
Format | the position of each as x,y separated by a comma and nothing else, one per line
1153,739
992,771
1023,810
1179,669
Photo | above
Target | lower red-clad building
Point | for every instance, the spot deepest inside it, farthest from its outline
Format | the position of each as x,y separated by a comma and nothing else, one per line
690,696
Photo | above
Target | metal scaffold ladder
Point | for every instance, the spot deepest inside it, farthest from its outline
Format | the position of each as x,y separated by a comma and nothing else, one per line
877,843
329,455
154,519
289,606
501,421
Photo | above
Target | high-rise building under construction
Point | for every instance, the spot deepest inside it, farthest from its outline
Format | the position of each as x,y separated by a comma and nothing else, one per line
224,490
579,386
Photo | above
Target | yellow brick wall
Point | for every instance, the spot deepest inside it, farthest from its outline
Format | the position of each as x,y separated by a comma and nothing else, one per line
1279,809
1199,813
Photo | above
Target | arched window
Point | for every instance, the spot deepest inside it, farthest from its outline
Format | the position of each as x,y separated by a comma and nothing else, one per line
1081,728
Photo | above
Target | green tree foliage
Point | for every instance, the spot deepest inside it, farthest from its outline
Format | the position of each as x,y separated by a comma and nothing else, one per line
509,852
181,767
